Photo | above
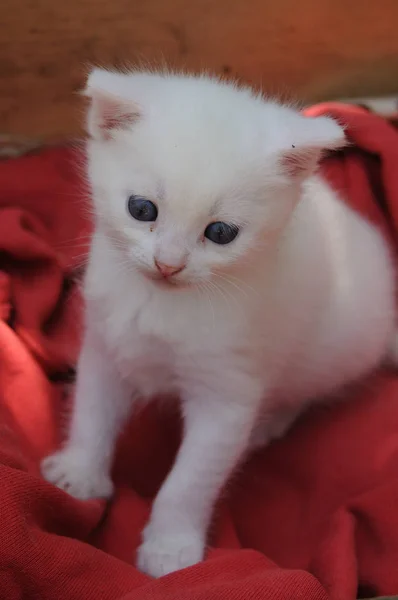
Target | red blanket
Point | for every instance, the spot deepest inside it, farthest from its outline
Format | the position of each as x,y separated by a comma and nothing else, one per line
315,516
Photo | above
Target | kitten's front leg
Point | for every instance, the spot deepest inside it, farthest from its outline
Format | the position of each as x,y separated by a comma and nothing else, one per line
217,432
102,402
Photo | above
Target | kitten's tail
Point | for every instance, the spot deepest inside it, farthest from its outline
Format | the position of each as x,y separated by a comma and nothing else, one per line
392,354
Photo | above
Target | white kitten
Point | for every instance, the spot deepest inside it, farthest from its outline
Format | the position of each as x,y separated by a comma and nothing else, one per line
222,270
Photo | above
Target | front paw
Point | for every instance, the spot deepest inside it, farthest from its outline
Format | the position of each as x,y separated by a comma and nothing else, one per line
162,553
69,470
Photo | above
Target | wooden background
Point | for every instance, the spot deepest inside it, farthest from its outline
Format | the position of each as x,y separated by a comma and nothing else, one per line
315,49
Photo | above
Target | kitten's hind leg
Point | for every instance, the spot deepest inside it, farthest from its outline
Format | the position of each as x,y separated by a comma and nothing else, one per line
273,427
82,466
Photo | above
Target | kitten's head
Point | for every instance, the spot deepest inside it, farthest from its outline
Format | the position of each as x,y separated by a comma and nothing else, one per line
191,175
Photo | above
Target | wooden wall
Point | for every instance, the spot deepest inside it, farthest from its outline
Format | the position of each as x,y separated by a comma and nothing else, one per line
315,49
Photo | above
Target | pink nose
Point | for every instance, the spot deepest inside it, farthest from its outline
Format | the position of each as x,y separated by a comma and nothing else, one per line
168,270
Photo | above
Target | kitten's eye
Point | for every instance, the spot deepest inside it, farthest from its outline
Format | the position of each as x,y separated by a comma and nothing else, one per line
221,233
142,209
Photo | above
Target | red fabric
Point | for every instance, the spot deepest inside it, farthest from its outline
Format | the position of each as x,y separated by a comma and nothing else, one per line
313,517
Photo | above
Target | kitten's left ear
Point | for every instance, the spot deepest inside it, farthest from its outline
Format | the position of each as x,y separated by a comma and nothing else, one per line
108,112
311,137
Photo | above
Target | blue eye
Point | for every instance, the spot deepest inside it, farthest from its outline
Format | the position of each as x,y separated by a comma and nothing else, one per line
142,209
221,233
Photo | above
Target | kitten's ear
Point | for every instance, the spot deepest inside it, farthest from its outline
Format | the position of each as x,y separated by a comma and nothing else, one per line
309,140
108,112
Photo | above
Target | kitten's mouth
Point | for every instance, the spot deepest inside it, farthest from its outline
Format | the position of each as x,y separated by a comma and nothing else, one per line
166,282
172,284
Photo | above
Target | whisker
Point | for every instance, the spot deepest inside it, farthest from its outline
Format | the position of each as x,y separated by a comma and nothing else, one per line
203,287
219,290
244,283
231,283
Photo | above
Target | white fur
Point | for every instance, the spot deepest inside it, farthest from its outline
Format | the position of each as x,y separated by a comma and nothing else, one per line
298,305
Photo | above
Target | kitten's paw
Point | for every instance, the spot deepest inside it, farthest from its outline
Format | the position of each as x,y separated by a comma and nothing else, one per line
68,469
161,554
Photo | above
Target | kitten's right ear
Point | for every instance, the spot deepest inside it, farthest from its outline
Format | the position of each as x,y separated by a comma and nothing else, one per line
310,138
108,112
